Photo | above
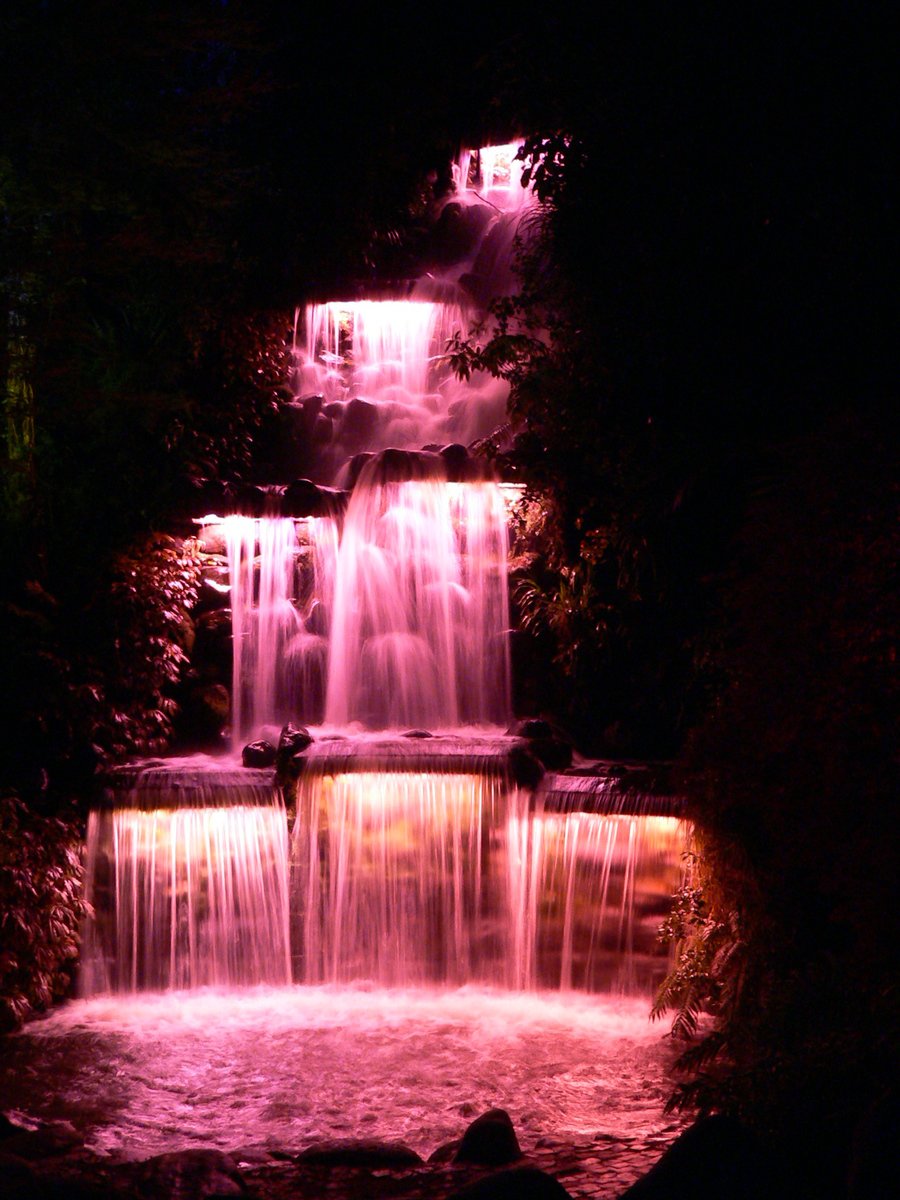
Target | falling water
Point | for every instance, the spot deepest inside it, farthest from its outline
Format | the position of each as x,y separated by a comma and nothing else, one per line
413,877
394,617
188,881
391,885
494,174
421,617
281,614
589,892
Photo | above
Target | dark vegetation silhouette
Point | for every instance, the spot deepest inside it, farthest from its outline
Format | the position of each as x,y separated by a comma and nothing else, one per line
701,366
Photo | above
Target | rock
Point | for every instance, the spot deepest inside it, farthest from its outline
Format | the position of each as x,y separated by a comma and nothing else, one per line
294,739
352,468
248,499
19,1180
322,430
445,1153
317,621
490,1140
417,733
456,456
525,769
192,1175
214,589
359,423
518,1183
35,1145
552,752
204,713
259,754
717,1158
531,727
213,645
301,498
7,1128
360,1152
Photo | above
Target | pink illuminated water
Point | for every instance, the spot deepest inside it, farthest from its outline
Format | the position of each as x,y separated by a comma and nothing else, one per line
421,614
494,174
381,369
395,876
287,1067
410,877
282,595
187,896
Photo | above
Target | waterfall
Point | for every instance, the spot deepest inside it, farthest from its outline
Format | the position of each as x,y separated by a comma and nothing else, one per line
281,613
406,877
188,880
430,867
421,616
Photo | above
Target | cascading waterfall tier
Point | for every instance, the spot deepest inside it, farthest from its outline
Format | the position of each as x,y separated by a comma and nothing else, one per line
409,876
187,874
398,618
421,617
282,577
373,375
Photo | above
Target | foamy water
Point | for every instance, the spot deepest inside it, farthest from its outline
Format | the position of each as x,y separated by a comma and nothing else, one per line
288,1067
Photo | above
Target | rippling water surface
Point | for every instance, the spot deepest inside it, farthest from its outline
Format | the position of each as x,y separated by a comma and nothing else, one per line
286,1067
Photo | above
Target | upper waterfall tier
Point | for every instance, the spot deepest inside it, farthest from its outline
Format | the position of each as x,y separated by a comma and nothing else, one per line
373,374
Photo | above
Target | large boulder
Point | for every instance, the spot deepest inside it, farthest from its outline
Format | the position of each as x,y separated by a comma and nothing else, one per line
490,1140
360,1152
525,768
293,741
191,1175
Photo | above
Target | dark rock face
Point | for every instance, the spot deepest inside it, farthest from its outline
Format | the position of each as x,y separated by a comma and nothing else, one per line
191,1175
259,754
37,1145
20,1181
359,423
552,750
552,753
490,1140
444,1154
213,647
531,727
204,713
362,1152
717,1158
524,767
519,1183
293,741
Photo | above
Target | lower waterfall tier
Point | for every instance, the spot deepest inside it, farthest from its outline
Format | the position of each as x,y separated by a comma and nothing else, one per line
398,877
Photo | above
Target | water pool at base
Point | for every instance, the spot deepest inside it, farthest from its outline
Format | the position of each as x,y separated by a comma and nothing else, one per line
284,1068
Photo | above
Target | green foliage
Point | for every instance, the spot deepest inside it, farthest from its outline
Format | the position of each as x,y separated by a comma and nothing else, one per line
149,634
41,909
103,690
706,971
